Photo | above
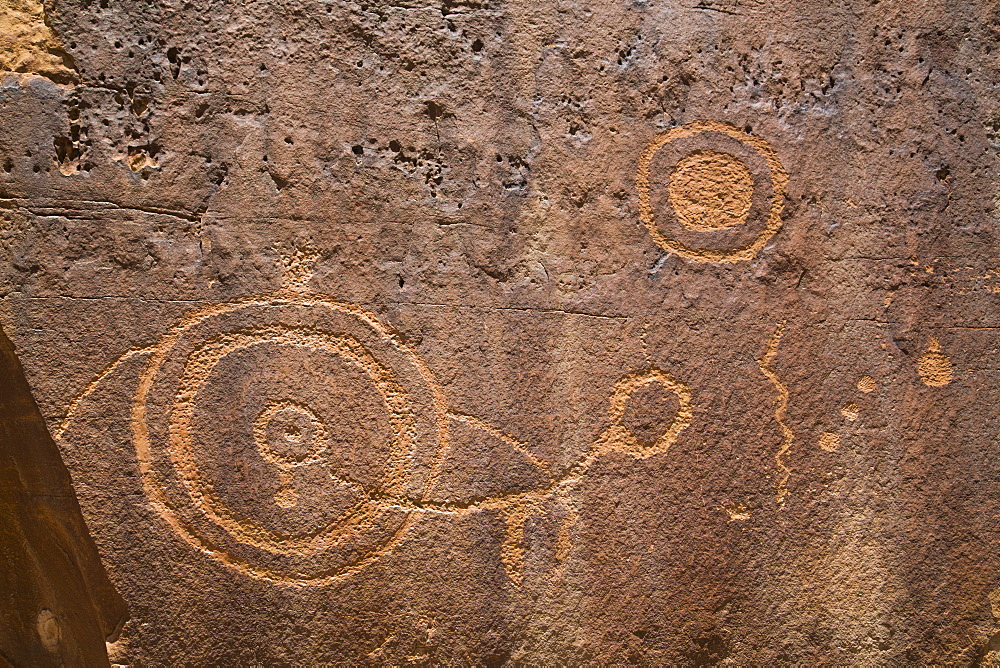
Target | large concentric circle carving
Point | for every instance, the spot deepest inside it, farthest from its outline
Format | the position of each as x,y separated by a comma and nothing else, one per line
289,437
710,192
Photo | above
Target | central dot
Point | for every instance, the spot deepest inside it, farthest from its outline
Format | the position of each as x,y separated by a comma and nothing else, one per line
290,435
710,191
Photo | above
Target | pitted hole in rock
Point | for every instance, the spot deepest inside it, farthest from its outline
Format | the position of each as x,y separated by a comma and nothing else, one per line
649,412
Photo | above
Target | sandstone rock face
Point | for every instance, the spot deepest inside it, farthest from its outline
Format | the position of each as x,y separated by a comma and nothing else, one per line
660,331
57,606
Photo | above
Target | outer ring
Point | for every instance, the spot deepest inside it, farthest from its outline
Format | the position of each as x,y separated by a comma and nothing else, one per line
245,530
779,179
162,503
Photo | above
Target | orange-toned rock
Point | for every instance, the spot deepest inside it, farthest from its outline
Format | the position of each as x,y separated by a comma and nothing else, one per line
480,332
57,606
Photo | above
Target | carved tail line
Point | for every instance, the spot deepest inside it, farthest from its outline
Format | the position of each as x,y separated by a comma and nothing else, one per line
780,410
92,385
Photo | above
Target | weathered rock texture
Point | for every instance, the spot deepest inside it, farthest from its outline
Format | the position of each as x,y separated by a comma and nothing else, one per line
660,331
57,606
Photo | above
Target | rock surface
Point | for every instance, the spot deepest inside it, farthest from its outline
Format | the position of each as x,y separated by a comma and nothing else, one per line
57,605
476,331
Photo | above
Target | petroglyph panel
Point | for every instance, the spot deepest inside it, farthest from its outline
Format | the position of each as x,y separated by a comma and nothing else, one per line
652,333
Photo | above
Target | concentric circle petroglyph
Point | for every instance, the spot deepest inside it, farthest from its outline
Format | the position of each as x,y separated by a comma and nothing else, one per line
236,479
711,191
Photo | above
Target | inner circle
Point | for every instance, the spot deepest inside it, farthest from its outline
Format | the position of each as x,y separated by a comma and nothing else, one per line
710,190
288,434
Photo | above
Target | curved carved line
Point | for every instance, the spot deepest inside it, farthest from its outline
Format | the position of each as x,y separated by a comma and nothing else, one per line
779,412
